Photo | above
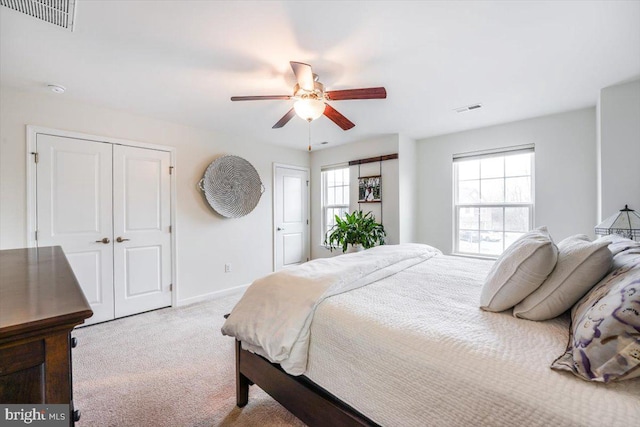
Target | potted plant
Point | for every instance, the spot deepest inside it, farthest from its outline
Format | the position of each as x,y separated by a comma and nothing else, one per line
356,229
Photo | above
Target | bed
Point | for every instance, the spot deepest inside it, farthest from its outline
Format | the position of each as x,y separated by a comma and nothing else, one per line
389,339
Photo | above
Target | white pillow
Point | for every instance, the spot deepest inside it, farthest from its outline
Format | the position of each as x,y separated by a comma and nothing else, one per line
619,244
519,271
581,264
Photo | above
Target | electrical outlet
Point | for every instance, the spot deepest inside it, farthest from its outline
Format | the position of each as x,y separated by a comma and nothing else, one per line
227,268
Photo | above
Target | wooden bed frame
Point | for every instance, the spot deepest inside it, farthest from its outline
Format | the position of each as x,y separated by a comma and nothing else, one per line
306,400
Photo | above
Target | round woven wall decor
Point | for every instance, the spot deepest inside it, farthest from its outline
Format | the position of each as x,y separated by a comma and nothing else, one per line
232,186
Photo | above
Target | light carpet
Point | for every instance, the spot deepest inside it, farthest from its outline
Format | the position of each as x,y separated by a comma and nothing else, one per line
170,367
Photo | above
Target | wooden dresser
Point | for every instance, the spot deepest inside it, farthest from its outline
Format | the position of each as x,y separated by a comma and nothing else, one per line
40,303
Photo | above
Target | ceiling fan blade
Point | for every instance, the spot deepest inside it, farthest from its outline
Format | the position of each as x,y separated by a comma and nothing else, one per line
304,75
337,118
367,93
259,98
285,119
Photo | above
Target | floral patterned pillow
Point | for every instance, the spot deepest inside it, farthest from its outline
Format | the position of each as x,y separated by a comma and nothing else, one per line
604,344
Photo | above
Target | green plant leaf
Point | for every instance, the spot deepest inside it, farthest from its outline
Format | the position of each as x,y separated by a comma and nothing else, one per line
356,228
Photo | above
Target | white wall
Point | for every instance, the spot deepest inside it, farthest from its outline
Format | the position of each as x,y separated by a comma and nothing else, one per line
205,241
387,144
565,173
619,148
408,189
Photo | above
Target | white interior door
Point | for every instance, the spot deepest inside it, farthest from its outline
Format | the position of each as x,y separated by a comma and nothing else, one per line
109,207
291,216
73,197
141,222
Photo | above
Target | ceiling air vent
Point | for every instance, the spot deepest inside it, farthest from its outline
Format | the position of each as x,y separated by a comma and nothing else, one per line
468,108
56,12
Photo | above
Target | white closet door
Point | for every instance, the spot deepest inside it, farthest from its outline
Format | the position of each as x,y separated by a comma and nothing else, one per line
141,220
74,211
291,216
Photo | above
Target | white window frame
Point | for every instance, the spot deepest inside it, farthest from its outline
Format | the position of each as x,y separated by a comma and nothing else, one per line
457,206
324,198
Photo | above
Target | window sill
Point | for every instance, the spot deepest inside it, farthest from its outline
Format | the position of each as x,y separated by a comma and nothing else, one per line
487,257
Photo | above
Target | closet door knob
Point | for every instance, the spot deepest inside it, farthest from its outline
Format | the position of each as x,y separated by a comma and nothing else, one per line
120,239
105,241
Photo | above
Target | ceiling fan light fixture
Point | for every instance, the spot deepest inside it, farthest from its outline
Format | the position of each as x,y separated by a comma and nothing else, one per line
309,96
309,109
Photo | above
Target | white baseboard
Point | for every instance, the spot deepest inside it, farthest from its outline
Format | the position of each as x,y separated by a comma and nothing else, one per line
213,295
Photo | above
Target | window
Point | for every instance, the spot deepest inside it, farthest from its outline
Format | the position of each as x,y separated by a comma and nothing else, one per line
493,200
335,196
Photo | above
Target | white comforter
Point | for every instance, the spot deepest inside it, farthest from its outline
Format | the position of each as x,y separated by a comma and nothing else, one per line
414,349
274,315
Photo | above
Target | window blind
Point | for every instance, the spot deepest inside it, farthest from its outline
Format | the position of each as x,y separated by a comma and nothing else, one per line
518,149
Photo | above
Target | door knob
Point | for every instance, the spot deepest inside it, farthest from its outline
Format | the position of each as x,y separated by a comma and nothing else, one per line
280,229
105,241
120,239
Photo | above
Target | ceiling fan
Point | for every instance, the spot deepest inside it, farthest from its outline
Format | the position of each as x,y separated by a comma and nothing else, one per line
311,98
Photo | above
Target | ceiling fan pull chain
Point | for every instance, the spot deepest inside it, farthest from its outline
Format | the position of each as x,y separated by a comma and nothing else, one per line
309,135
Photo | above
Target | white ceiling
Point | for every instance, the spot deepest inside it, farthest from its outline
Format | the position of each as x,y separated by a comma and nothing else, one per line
181,61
